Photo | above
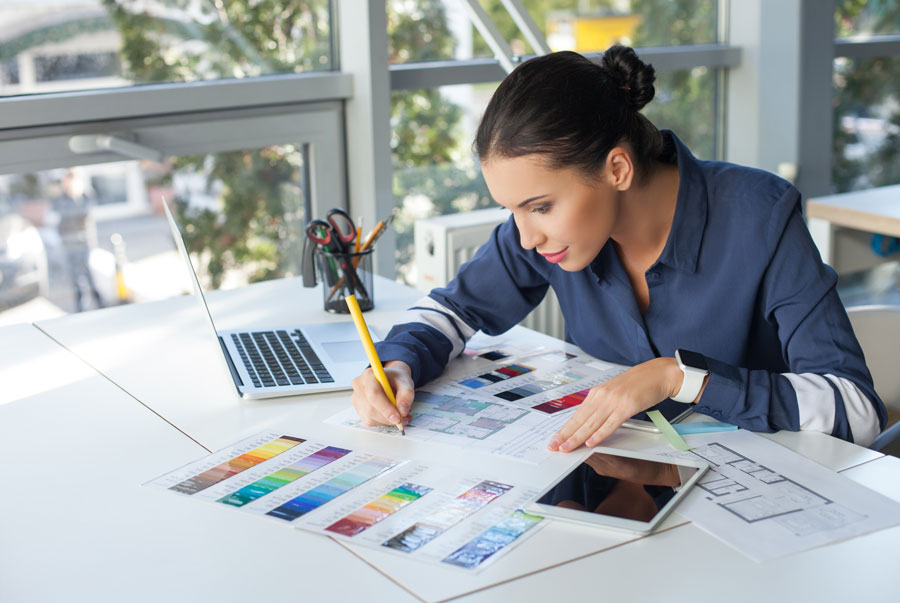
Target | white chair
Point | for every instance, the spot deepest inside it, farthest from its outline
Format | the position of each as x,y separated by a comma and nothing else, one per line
878,330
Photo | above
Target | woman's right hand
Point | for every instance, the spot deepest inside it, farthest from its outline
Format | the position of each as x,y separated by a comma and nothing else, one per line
372,404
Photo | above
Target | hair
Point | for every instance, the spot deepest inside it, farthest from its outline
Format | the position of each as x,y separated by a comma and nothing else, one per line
573,111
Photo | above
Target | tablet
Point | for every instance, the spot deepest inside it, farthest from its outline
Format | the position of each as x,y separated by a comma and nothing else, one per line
619,489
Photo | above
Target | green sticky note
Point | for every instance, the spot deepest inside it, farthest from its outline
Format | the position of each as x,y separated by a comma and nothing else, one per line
667,430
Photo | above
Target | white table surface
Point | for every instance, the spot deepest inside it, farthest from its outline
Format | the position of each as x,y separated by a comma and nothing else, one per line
76,524
161,354
687,564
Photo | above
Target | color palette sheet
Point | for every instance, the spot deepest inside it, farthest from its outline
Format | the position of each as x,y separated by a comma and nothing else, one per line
424,531
431,511
326,492
457,418
284,476
379,509
286,485
229,464
492,541
236,465
498,374
563,403
539,386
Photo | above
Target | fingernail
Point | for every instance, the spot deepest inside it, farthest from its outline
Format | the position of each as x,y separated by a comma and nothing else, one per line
565,447
590,442
394,418
554,443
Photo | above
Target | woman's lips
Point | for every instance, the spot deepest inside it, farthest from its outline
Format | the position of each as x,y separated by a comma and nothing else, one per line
555,258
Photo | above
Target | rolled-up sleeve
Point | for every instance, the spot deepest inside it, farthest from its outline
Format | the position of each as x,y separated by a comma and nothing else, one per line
828,387
492,292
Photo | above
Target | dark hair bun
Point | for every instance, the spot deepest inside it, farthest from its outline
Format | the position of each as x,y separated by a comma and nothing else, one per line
633,76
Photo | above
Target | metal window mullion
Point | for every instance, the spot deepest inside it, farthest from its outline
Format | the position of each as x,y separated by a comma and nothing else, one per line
434,74
492,36
868,47
161,99
527,26
175,138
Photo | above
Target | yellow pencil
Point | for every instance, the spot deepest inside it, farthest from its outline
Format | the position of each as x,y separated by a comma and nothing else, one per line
374,360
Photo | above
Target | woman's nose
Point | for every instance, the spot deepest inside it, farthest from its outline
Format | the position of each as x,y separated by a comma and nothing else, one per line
529,237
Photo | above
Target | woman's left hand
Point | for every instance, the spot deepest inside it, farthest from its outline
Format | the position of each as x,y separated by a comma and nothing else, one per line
611,403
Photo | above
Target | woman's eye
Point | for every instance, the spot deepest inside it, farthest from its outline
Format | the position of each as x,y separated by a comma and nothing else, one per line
541,209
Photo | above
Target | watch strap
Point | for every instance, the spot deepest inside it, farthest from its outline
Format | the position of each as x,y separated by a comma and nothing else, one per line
690,386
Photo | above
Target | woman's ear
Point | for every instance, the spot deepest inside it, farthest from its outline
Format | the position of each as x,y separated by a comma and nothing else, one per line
620,168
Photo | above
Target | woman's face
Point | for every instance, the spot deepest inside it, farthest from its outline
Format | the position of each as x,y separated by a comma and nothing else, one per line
557,211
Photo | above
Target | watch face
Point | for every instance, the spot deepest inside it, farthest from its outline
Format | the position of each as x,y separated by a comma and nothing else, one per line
693,359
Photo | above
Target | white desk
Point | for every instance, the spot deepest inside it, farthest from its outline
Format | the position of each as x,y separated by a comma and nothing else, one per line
76,524
185,383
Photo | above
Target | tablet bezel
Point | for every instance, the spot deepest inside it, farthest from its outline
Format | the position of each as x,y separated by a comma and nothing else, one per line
618,523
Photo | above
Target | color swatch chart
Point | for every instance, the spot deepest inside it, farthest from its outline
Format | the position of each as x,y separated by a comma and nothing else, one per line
563,403
284,476
427,529
225,465
324,493
420,511
430,513
501,373
496,538
280,476
381,508
539,386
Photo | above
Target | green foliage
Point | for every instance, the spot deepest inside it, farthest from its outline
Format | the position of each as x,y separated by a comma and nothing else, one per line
866,88
258,190
863,17
426,142
685,100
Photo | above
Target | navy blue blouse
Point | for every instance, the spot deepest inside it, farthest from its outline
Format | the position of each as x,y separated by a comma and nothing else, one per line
739,280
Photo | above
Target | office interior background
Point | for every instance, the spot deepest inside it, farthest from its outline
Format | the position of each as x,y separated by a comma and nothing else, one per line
257,116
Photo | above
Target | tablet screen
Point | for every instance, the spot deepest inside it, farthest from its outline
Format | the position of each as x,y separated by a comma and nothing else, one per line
620,489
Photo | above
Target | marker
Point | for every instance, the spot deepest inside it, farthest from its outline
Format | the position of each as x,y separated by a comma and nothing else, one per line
374,360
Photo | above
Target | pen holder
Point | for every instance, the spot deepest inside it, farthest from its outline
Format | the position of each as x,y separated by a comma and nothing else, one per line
343,274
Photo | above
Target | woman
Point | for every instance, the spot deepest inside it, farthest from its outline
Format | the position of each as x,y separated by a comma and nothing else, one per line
650,251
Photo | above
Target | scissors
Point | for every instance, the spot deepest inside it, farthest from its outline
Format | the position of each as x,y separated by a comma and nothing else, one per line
336,233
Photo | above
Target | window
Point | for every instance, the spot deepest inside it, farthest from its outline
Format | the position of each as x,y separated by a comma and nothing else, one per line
89,44
423,30
866,120
248,158
433,128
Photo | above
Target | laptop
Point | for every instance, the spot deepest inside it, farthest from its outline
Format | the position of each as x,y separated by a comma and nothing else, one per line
283,360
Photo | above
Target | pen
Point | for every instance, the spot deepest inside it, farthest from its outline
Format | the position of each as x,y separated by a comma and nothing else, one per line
374,360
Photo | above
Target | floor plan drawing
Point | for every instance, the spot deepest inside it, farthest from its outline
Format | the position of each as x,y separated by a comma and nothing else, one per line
768,501
749,490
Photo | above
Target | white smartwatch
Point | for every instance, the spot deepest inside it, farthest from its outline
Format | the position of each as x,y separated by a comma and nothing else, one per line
693,365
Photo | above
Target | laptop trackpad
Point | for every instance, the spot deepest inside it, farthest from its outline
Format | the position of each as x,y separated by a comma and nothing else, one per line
345,351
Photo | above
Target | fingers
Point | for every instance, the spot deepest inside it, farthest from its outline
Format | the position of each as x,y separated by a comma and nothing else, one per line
586,432
594,420
400,378
585,415
371,403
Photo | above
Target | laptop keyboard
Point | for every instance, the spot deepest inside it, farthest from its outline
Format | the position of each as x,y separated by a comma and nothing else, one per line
274,358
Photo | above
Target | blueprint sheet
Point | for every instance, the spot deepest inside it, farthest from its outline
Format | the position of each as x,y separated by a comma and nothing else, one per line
767,501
